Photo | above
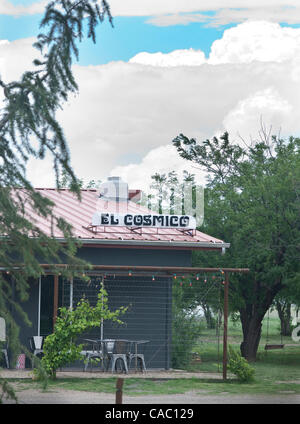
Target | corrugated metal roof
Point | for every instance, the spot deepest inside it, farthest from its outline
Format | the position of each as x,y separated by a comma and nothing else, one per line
79,215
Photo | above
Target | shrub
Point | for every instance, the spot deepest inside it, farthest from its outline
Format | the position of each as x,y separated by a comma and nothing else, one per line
240,366
186,330
60,347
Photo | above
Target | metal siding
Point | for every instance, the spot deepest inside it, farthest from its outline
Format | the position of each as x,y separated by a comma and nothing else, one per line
119,256
148,316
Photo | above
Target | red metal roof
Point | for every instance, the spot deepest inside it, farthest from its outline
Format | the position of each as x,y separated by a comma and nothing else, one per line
79,215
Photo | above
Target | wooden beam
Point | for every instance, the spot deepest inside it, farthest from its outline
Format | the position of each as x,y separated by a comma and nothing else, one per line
167,269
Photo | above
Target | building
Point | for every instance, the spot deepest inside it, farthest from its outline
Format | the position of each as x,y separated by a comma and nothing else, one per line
134,255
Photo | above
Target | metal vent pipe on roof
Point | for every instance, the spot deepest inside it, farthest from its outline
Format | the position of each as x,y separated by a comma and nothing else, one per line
114,189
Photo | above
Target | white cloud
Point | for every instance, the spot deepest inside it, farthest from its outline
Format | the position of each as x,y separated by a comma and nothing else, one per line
260,40
225,16
139,175
281,13
267,104
158,7
170,12
11,68
8,8
188,57
126,114
251,41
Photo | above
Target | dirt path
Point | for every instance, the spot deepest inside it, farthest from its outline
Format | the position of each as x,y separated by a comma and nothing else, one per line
62,396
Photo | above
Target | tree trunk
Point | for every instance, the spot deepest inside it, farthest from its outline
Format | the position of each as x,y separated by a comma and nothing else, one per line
284,313
251,332
252,315
210,321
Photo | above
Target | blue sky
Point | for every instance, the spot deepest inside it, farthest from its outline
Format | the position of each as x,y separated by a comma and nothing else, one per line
167,67
129,36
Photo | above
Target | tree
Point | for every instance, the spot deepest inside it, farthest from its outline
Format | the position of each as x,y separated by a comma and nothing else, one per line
29,129
190,298
168,191
61,347
287,298
252,201
65,181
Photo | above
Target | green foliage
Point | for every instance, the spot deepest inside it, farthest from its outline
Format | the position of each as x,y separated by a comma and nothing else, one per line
168,193
61,347
67,182
251,201
7,392
186,329
240,366
29,130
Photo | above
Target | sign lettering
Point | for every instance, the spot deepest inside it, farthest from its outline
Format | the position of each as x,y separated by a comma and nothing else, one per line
141,220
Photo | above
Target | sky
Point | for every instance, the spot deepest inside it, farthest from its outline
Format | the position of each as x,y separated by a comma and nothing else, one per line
166,67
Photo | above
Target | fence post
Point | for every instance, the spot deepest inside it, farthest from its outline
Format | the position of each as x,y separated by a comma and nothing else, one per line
226,286
119,390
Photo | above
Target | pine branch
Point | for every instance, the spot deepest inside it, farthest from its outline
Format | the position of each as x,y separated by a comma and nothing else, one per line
29,129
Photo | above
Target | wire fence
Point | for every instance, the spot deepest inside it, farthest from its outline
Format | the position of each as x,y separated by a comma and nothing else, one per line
170,313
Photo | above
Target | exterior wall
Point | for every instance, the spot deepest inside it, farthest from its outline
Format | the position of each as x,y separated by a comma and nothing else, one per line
135,256
149,316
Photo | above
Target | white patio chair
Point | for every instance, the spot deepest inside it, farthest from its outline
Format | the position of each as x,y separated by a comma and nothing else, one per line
4,340
138,357
92,349
36,346
116,353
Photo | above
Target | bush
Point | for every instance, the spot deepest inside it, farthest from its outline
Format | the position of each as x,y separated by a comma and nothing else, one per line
240,366
60,347
186,330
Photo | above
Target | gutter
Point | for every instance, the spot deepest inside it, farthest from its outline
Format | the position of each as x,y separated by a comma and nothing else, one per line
142,243
160,243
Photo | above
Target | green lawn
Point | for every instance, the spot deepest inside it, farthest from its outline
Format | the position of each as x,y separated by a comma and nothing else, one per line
276,371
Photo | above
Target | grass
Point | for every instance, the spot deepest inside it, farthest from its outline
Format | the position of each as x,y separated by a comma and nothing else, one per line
276,371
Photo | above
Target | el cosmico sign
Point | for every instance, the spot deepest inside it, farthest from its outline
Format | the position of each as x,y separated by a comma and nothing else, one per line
144,220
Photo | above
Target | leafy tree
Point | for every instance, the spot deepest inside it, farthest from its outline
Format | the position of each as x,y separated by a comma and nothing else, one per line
61,347
65,181
190,295
186,328
252,201
168,192
288,298
29,129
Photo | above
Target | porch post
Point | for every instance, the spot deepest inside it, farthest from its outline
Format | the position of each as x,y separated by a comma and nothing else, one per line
71,293
39,307
226,286
55,299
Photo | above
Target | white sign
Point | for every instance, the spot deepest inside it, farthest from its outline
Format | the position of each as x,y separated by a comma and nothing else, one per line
144,220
